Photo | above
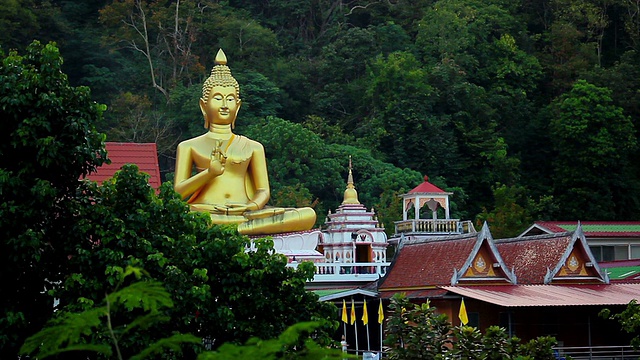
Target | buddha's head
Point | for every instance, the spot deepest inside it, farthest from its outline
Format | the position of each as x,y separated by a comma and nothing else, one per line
220,100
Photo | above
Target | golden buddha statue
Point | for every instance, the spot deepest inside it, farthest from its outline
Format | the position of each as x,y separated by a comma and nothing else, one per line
231,180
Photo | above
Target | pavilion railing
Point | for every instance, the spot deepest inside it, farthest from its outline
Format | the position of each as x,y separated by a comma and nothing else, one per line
435,226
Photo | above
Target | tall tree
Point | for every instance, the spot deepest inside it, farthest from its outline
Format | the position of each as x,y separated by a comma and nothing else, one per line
22,21
594,141
48,141
510,215
401,122
589,16
163,33
132,119
631,21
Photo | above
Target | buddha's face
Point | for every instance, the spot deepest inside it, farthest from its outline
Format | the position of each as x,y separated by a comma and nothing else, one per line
222,106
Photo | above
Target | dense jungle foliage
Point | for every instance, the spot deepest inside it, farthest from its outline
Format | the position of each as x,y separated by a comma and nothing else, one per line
526,110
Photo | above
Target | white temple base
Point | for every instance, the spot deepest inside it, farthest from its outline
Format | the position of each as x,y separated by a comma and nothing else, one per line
299,246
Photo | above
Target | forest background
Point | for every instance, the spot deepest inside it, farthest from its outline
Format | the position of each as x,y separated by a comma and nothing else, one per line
526,110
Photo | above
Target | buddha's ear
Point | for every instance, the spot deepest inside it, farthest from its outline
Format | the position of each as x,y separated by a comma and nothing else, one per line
233,124
204,113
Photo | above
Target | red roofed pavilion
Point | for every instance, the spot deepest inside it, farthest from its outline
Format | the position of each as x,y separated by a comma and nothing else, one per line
436,201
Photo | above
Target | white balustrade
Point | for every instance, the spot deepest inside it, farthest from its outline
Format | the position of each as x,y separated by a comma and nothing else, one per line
434,226
330,272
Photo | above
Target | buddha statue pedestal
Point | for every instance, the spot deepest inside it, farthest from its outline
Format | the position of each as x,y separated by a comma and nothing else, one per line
299,246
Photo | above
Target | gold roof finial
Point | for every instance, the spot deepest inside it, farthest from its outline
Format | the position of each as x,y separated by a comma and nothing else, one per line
350,194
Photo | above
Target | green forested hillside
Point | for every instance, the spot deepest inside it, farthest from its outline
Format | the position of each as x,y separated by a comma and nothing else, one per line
525,109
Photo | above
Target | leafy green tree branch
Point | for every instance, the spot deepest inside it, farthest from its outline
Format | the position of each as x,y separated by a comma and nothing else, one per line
69,331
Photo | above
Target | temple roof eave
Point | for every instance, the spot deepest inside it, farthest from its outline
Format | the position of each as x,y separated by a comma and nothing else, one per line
410,195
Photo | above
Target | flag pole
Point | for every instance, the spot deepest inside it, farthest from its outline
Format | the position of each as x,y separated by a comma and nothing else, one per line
381,340
345,331
380,320
365,321
355,326
353,322
368,344
345,319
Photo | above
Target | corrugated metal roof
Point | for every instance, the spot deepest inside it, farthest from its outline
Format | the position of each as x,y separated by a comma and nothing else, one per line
623,272
595,228
142,155
551,295
328,295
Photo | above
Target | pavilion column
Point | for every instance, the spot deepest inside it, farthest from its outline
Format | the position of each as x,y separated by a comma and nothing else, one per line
404,209
446,210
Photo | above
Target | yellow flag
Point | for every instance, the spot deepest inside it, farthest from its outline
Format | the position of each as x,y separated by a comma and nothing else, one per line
464,319
345,319
353,313
380,313
365,314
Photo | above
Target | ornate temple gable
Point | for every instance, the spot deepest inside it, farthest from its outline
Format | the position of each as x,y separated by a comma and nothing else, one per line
484,263
482,266
577,264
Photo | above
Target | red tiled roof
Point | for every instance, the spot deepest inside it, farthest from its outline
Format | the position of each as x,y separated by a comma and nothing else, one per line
430,262
426,187
531,257
551,295
142,155
595,228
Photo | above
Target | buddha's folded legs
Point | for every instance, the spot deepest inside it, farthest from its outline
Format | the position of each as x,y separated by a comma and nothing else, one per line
216,216
289,220
270,220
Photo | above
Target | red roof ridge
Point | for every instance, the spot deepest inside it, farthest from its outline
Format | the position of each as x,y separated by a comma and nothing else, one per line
438,238
427,187
534,237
